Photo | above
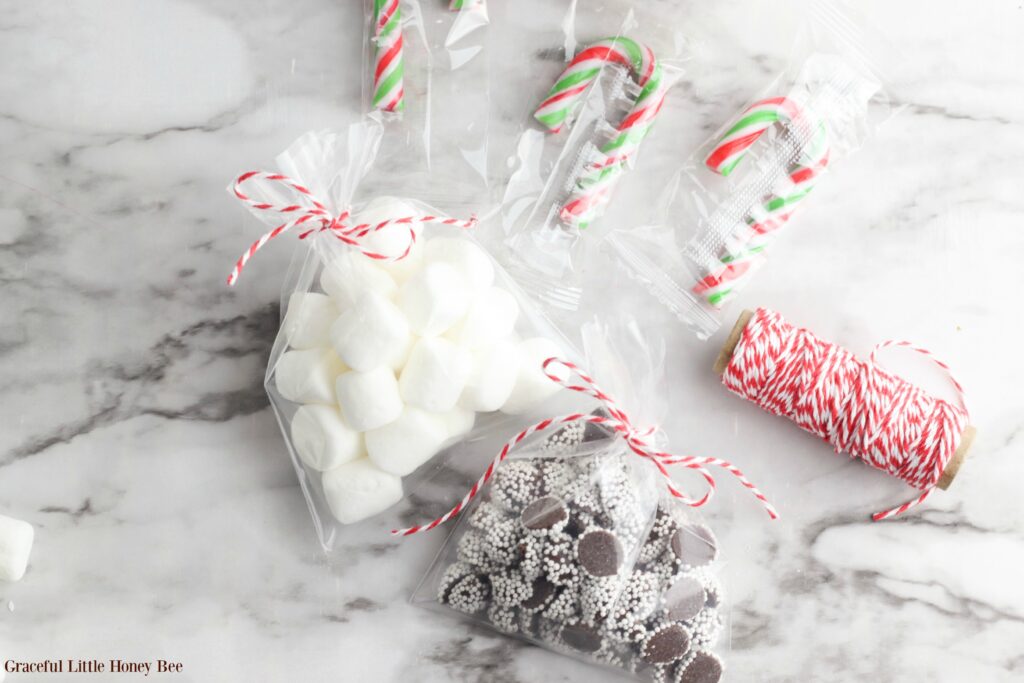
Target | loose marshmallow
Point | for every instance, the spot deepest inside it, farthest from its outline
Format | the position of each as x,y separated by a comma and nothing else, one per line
322,439
15,545
434,299
357,490
459,421
467,258
348,279
307,376
369,400
392,240
494,374
408,442
371,333
492,316
532,385
435,374
308,320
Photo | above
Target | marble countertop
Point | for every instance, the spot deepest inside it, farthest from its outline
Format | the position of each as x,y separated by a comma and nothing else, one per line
138,440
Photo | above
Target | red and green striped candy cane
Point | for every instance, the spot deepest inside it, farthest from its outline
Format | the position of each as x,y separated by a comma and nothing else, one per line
748,129
566,95
744,255
388,66
594,186
456,5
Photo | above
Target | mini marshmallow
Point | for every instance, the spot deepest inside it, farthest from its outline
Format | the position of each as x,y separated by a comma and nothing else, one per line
349,278
435,374
308,320
459,421
492,316
357,490
494,374
322,439
371,333
307,376
15,545
401,359
408,442
532,385
434,299
392,240
369,400
467,258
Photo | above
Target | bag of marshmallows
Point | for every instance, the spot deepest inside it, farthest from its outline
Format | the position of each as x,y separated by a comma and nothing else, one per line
399,337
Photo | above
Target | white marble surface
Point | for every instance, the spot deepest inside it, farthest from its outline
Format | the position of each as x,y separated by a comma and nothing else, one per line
138,440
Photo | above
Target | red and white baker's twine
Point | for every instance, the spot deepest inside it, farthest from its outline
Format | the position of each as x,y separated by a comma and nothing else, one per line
618,421
308,209
857,407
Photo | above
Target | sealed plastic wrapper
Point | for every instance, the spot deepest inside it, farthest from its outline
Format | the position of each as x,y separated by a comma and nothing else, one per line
399,335
581,543
427,79
589,121
731,200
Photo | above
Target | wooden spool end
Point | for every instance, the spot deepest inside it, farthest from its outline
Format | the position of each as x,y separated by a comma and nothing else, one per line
952,467
725,355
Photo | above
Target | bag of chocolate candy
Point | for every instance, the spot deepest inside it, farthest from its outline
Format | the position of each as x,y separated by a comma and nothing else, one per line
582,543
574,549
400,335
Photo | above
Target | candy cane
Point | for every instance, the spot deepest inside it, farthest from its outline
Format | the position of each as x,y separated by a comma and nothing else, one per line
388,67
744,256
567,93
593,188
456,5
748,129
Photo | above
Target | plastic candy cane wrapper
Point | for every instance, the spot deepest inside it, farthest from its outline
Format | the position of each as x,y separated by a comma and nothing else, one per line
427,78
590,118
581,543
400,335
743,189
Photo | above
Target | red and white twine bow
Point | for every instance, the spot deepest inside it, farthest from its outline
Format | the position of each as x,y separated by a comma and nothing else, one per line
312,213
638,440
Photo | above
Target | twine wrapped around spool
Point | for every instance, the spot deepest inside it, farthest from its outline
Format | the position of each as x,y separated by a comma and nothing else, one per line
743,341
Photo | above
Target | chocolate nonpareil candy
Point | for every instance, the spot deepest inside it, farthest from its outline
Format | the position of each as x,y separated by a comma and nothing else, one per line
581,637
666,644
599,552
545,513
464,589
703,668
685,599
694,545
